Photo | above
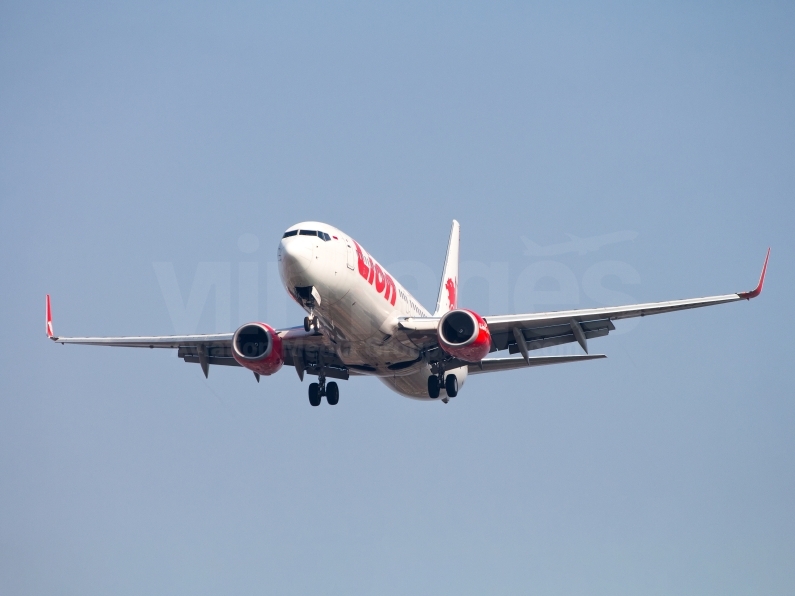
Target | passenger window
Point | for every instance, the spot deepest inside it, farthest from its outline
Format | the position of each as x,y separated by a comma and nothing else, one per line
290,233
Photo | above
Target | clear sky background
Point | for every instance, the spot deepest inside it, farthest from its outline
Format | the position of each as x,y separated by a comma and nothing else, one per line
141,133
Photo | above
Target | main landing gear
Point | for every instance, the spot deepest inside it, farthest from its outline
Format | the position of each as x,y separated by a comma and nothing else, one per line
451,385
318,390
436,382
433,386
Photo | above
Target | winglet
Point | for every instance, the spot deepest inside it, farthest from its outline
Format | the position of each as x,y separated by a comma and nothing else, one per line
758,290
49,319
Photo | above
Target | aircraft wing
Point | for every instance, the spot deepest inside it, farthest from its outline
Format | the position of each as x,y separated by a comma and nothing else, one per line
302,349
526,332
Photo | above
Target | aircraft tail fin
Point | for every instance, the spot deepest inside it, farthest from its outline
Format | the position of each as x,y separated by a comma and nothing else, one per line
448,289
48,315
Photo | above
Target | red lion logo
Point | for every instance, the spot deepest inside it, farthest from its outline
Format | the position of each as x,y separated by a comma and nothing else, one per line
451,298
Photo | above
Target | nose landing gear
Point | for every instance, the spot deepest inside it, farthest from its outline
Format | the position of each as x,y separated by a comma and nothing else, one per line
309,298
309,322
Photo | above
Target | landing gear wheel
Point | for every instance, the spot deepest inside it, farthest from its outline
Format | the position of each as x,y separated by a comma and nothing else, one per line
307,324
433,386
314,394
451,385
332,394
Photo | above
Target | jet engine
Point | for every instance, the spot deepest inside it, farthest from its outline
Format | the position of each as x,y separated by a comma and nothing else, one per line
257,347
465,335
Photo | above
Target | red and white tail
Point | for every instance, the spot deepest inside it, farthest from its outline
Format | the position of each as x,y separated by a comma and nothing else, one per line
49,318
448,289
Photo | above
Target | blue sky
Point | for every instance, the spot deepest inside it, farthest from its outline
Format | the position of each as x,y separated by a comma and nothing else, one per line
140,134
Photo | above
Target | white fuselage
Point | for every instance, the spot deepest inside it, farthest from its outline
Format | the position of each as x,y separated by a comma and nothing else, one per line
358,305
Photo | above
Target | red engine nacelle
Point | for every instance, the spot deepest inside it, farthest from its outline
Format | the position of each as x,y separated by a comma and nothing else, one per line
465,335
258,347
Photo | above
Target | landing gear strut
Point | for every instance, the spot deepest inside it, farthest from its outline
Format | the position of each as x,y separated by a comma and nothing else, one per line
438,381
318,390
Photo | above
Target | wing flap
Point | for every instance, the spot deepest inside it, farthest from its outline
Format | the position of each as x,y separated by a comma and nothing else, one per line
549,335
499,364
194,359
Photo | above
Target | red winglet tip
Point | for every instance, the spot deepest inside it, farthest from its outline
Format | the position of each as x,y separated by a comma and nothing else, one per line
758,290
49,318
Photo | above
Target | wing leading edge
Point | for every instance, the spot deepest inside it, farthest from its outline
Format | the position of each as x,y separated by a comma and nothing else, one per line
301,347
532,331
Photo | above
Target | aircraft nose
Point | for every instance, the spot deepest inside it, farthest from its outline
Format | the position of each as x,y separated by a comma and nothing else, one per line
295,254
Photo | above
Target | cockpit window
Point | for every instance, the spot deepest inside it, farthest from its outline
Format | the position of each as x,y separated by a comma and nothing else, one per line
325,237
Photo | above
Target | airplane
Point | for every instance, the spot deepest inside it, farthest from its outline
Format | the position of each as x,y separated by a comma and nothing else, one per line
579,245
362,322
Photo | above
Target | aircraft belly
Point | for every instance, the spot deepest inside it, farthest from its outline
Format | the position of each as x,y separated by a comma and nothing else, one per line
361,339
415,385
391,357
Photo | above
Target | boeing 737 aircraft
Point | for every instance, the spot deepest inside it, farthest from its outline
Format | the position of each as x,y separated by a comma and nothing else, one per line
361,321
